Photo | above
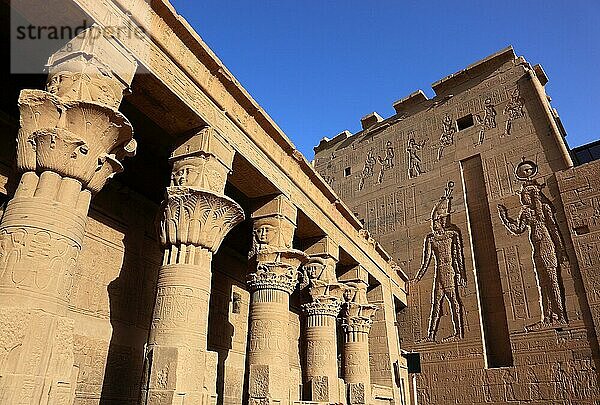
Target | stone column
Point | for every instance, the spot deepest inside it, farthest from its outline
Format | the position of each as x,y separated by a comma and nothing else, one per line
71,140
274,275
323,295
357,318
195,217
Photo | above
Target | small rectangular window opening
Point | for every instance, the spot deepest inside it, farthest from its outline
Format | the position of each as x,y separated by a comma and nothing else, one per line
465,122
347,171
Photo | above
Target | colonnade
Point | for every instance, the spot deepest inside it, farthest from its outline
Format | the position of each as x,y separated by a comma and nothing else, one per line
72,140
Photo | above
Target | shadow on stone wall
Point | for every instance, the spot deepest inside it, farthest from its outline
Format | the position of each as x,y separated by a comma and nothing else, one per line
131,300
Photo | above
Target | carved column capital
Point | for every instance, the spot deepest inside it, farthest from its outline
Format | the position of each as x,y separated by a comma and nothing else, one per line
195,212
272,255
92,68
273,225
197,217
74,128
274,275
202,161
357,313
358,317
74,139
324,305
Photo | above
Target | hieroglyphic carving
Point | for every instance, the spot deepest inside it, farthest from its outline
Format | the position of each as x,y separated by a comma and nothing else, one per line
386,162
329,180
548,250
40,260
514,110
487,122
460,376
519,302
367,170
446,246
447,136
414,160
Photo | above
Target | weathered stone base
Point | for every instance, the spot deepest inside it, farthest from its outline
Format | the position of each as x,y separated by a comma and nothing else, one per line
36,358
180,375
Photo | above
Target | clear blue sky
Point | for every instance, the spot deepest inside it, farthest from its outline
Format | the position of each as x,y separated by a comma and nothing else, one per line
318,66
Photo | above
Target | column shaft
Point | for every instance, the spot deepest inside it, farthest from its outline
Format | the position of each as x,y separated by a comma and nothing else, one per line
356,358
195,217
321,368
274,275
269,318
39,248
69,144
268,353
178,359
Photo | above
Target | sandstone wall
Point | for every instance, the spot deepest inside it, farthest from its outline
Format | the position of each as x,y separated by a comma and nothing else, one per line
451,161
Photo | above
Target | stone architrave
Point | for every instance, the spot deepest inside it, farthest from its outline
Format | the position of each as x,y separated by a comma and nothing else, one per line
195,217
324,295
274,276
70,142
357,318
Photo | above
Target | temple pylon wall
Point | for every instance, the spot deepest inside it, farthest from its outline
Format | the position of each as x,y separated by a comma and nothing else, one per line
475,195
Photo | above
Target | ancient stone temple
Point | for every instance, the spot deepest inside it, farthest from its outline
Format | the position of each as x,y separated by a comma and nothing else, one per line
163,242
475,195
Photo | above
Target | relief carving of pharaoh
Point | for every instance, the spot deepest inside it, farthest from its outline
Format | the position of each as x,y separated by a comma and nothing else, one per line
414,160
445,245
447,136
514,110
487,122
368,169
537,217
386,162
